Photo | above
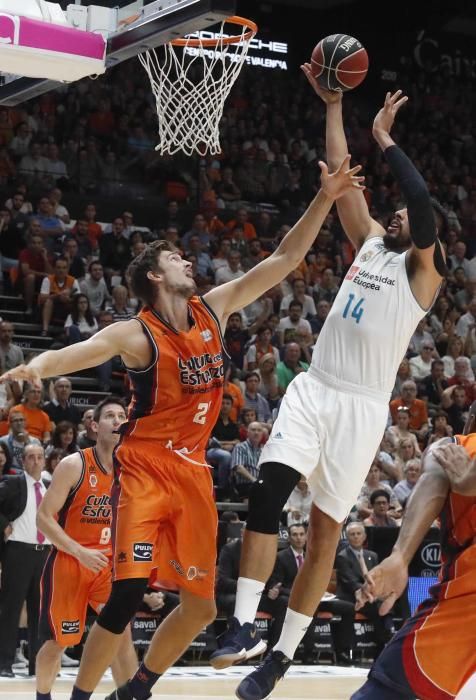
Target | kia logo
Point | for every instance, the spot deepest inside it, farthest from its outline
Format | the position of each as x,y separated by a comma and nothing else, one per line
431,555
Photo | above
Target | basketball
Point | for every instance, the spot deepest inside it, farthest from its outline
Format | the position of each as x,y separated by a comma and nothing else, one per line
339,62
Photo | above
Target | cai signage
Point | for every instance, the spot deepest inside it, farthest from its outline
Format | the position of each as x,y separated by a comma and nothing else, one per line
263,54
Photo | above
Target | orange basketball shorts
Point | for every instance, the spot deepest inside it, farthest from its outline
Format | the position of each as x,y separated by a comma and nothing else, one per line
67,588
164,517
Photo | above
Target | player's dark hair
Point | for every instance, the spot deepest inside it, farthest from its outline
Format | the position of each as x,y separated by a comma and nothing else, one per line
379,493
147,261
116,400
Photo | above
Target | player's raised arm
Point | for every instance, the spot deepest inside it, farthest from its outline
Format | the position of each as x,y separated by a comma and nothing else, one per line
238,293
124,338
65,478
387,581
425,253
351,207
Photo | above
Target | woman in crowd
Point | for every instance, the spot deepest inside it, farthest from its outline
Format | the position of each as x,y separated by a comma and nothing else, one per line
80,323
373,482
64,437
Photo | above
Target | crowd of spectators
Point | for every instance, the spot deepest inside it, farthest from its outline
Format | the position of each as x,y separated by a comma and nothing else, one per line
69,266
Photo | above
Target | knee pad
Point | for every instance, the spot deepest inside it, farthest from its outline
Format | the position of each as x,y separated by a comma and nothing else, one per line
124,601
268,496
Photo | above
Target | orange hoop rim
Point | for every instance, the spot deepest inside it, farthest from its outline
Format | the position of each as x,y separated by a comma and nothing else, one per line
225,41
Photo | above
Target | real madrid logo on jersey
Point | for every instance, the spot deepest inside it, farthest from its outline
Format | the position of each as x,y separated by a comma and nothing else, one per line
366,256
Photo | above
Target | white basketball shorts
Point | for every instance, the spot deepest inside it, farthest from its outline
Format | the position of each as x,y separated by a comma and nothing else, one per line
329,431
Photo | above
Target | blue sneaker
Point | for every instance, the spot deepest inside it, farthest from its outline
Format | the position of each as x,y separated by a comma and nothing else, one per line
238,643
261,682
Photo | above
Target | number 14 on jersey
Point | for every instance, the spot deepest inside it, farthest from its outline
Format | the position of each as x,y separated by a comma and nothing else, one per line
357,309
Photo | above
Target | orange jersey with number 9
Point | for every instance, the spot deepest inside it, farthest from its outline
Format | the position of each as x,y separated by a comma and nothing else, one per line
177,399
87,512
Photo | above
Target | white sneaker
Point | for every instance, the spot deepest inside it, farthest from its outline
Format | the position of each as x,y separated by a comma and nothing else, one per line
68,662
20,661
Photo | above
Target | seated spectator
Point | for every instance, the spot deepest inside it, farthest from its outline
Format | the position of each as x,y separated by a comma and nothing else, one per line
254,254
17,439
401,431
352,565
114,251
236,339
242,220
204,263
440,427
268,386
95,288
455,403
432,386
51,227
326,289
60,407
88,436
56,294
225,435
260,347
373,482
417,409
299,503
379,517
105,370
412,472
80,233
200,229
55,195
464,376
405,452
245,458
20,143
51,462
420,365
80,323
76,264
221,258
11,355
231,271
294,321
290,366
120,307
298,294
403,373
322,312
33,166
247,416
253,399
453,351
420,337
64,437
37,422
11,243
227,189
468,320
5,459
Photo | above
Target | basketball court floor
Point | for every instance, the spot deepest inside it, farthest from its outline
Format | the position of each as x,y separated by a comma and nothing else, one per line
198,683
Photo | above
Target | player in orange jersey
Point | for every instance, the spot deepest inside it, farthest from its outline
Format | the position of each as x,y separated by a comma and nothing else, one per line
76,516
433,656
166,516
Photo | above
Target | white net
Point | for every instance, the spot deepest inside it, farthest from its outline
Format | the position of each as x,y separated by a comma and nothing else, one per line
190,84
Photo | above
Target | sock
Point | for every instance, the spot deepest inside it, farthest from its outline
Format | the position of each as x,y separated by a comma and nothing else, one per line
141,684
294,628
78,694
248,594
43,696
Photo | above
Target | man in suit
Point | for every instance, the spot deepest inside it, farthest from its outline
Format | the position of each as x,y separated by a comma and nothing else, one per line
352,564
23,556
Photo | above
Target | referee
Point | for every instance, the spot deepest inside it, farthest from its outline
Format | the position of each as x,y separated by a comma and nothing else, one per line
23,557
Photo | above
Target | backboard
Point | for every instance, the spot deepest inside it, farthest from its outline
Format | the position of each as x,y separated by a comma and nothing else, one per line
140,25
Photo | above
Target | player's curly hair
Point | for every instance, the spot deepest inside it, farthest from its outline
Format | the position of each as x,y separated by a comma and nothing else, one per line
147,261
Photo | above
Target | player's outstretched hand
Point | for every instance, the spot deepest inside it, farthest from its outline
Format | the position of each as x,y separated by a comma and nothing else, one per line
344,179
383,122
385,582
22,372
328,96
93,559
459,467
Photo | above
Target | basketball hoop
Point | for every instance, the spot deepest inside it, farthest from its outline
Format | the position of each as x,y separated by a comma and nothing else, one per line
191,79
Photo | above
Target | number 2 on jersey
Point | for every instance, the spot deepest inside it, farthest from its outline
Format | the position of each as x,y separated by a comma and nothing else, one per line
357,311
201,414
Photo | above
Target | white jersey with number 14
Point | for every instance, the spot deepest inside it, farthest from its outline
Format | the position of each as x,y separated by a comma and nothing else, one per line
372,319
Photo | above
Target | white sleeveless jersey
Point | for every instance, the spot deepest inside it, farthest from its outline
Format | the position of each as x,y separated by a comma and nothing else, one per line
372,319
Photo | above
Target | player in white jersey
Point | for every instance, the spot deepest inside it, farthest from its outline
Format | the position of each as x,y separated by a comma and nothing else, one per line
333,416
